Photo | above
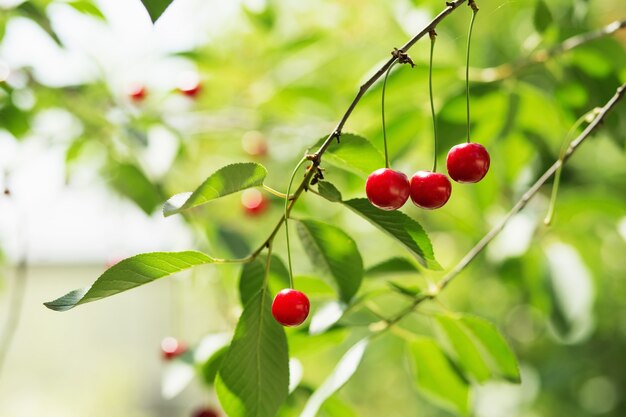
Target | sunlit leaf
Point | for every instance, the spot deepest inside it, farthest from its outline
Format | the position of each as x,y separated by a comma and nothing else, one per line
354,153
131,273
331,249
224,181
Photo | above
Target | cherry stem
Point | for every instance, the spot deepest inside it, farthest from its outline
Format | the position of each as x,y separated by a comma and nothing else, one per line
433,38
557,175
467,89
268,263
383,113
286,215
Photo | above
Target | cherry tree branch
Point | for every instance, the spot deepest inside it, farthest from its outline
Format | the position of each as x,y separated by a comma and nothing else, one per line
503,71
532,191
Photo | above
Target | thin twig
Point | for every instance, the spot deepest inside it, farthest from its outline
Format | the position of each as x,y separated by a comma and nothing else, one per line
507,70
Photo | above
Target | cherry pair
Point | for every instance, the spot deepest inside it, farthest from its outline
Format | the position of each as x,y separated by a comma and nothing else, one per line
389,190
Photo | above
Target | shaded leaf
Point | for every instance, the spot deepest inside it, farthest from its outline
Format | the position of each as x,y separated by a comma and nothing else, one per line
436,378
132,183
334,251
392,266
403,289
224,181
210,367
156,8
342,373
329,191
254,377
130,273
543,17
252,274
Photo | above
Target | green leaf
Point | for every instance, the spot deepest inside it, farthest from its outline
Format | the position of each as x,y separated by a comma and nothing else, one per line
86,7
354,153
209,354
543,17
209,369
253,273
403,289
254,377
502,358
399,226
464,348
37,15
130,273
131,182
436,378
156,8
329,191
344,370
227,180
334,251
392,266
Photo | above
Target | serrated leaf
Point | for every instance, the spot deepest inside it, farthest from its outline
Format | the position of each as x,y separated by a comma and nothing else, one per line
542,18
495,345
436,378
86,7
253,380
253,273
399,226
354,153
334,251
392,266
131,182
463,347
226,180
342,373
156,8
131,273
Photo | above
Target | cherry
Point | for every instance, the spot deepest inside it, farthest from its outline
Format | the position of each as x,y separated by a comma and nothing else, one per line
290,307
254,143
430,190
254,203
387,189
172,348
137,92
190,89
205,412
468,162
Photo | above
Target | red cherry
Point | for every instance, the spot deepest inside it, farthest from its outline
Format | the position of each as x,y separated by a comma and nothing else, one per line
387,189
468,162
205,412
190,90
290,307
430,190
172,348
254,203
254,143
137,92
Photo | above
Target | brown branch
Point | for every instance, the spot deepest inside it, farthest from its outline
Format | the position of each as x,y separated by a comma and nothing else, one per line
532,191
507,70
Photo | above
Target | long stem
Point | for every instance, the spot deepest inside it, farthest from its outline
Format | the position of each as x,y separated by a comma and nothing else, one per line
382,111
433,38
286,217
467,59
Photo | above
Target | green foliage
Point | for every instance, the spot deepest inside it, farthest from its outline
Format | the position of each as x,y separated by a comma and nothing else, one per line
542,16
353,153
156,8
132,183
254,376
130,273
392,266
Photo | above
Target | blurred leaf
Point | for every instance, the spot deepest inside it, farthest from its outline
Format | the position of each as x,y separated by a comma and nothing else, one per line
346,367
463,347
542,18
392,266
399,226
130,273
331,249
132,183
14,120
224,181
37,15
302,343
254,377
210,368
156,8
354,153
436,378
334,407
501,356
86,7
325,316
264,18
252,274
234,241
403,289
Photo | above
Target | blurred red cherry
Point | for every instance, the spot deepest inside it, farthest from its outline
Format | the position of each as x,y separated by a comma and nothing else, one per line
205,412
254,202
172,348
254,143
137,92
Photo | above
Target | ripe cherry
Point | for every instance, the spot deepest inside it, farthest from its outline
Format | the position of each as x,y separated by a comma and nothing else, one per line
387,189
137,92
254,203
430,190
172,348
290,307
468,162
205,412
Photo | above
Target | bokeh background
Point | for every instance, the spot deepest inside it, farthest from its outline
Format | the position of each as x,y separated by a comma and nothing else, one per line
87,169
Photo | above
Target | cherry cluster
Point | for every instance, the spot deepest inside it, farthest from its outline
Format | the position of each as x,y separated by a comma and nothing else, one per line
389,190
